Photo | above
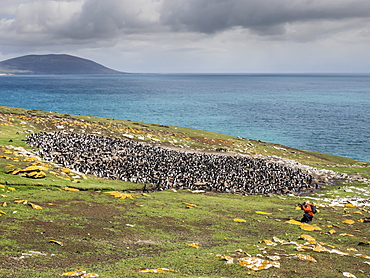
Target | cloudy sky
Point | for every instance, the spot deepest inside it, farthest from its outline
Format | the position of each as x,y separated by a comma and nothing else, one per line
214,36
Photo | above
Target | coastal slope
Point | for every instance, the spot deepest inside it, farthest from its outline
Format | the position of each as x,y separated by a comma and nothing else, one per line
53,64
57,221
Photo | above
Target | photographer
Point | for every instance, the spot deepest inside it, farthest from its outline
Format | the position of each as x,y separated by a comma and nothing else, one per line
309,212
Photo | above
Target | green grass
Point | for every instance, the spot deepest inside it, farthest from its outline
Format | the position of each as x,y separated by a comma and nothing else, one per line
119,237
93,224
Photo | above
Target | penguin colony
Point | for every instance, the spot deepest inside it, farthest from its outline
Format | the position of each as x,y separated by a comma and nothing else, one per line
168,169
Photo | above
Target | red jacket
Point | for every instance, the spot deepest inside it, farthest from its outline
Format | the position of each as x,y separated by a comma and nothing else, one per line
307,209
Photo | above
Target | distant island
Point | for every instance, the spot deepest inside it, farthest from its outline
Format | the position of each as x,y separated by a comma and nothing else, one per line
53,64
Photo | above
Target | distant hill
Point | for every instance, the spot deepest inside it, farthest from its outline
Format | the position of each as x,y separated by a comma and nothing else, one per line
53,64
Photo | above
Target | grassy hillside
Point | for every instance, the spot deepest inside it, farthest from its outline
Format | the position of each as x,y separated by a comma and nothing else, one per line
53,64
66,221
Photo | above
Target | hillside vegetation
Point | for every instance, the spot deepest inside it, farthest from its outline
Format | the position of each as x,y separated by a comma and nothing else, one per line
52,64
55,221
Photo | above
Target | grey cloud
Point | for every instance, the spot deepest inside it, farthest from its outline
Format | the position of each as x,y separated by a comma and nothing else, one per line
99,23
78,21
262,16
75,21
109,19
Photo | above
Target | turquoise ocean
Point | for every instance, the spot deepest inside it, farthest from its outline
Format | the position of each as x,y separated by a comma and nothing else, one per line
323,113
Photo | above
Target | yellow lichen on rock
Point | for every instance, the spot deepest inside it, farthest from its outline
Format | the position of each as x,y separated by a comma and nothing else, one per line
155,270
34,172
303,257
308,227
239,220
275,239
229,259
256,263
195,245
268,242
294,222
348,221
66,170
71,189
307,238
262,212
120,195
21,201
190,205
63,178
56,242
34,206
36,175
321,249
345,234
34,168
76,273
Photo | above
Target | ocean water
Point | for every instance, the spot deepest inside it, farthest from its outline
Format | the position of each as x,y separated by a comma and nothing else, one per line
323,113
